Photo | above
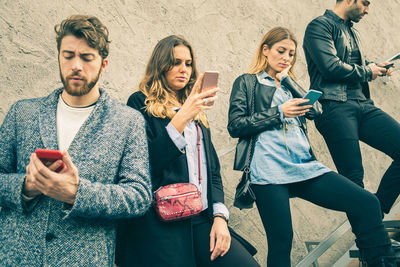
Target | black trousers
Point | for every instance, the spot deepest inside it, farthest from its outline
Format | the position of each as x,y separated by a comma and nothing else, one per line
344,124
236,256
330,190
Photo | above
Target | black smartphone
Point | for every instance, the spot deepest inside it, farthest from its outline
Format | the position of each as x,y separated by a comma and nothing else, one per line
388,66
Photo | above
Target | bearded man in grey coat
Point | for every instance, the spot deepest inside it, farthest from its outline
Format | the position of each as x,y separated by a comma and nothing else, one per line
67,218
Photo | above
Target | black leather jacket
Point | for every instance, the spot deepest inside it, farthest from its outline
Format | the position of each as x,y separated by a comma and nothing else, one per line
327,49
243,125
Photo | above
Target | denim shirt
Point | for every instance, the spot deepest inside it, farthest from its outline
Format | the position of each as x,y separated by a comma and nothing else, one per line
282,154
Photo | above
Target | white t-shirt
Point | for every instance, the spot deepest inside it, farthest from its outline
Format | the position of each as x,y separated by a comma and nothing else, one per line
69,121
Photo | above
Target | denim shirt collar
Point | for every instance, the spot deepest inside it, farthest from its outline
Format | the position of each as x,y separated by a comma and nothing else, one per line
329,13
265,78
268,79
265,75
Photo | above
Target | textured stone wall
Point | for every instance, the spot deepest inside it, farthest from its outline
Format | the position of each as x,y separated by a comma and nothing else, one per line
224,35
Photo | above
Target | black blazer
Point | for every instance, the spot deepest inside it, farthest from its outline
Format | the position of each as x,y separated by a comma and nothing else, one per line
146,241
168,163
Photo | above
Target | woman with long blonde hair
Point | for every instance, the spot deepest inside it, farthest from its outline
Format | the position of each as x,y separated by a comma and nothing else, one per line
181,150
283,164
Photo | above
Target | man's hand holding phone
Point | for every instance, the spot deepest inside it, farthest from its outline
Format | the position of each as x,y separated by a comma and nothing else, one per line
382,69
388,66
377,70
45,180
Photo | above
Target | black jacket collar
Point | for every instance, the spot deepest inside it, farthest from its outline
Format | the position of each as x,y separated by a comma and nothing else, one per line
330,14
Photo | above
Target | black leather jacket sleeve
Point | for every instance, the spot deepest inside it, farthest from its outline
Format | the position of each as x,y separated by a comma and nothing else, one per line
319,43
240,123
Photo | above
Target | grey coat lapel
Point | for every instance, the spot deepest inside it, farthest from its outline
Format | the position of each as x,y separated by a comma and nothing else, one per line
48,120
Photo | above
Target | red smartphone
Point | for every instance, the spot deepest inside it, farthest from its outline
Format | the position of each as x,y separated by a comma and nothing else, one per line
210,80
49,156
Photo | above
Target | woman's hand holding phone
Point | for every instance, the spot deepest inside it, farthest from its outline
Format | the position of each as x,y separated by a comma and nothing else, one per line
210,81
194,104
291,108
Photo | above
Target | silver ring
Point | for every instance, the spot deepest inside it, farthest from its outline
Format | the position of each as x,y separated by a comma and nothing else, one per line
205,100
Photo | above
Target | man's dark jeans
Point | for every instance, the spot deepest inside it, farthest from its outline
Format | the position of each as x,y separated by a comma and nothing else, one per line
343,124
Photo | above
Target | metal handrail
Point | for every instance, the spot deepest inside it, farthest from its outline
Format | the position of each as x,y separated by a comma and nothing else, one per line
324,245
225,151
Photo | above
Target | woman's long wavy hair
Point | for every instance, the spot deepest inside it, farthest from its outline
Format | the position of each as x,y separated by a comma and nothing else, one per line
160,97
277,34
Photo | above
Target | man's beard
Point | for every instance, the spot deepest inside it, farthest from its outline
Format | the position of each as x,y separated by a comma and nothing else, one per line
354,15
84,89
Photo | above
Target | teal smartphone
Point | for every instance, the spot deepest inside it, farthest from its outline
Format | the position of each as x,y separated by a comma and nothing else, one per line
312,96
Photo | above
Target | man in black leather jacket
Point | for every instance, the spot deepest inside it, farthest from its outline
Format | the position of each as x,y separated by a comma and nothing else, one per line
337,67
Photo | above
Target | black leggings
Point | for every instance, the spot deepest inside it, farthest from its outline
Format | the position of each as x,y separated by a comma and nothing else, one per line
330,190
344,124
236,256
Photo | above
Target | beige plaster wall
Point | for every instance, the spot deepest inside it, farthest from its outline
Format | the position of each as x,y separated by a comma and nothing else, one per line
224,35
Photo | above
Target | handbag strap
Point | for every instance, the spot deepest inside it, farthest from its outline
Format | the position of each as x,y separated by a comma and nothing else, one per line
198,151
251,81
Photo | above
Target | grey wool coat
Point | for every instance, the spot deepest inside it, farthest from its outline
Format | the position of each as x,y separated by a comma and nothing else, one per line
111,154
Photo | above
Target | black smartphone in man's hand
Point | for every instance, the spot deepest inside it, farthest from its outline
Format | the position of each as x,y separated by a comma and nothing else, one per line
387,66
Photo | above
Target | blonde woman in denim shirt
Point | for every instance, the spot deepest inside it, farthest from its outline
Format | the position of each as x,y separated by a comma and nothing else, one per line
283,165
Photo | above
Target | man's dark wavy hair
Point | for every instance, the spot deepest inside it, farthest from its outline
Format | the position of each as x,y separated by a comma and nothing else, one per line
88,27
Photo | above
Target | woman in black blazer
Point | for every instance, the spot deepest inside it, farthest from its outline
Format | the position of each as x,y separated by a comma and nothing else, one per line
169,97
